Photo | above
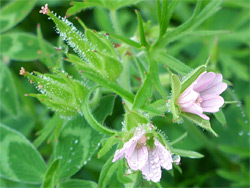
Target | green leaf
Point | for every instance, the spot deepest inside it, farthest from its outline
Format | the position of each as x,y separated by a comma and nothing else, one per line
192,77
14,12
201,33
133,118
126,40
171,62
47,130
9,96
75,148
51,175
180,29
90,118
23,47
45,56
232,175
19,161
187,153
108,169
77,183
179,138
205,124
79,6
120,173
143,94
141,29
107,146
242,151
176,89
221,117
109,4
109,85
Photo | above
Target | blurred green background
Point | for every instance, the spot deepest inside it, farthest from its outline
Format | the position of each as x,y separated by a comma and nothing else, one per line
226,161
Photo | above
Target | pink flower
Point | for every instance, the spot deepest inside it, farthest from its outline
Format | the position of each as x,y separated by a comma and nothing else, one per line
141,157
203,95
44,9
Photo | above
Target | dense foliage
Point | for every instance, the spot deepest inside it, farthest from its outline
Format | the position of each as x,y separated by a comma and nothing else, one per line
76,86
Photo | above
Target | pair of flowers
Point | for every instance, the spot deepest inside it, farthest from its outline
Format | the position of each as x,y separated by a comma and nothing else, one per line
203,95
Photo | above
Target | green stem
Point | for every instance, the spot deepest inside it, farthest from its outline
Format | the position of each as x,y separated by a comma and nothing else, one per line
115,22
90,118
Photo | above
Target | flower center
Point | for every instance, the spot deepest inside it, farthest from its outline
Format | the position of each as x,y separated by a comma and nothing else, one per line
198,100
142,141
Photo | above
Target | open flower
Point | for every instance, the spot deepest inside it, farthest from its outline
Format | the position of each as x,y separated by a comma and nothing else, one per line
203,95
144,158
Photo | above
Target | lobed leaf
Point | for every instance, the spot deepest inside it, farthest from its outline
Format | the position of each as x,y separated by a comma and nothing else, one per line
76,145
9,95
19,161
14,12
24,47
76,183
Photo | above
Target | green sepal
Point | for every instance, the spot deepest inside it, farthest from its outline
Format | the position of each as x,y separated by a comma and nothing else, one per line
101,42
59,92
192,77
133,118
112,68
220,117
150,141
205,124
176,90
77,41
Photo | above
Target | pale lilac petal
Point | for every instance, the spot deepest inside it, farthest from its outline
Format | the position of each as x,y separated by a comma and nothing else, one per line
215,89
164,155
152,169
188,100
131,144
194,109
211,103
138,158
119,154
204,116
204,81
